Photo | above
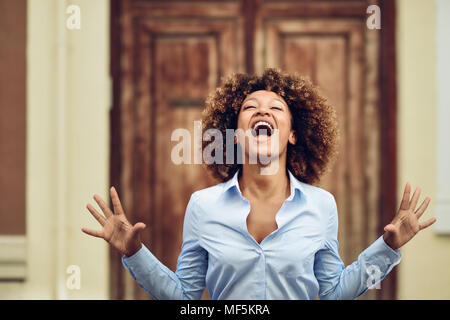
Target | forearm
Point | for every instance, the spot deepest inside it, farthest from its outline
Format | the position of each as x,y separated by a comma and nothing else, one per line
372,266
154,277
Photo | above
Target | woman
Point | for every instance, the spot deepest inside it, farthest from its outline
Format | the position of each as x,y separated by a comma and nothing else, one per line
264,232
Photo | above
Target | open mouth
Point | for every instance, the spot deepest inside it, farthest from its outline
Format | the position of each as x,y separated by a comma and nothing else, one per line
262,128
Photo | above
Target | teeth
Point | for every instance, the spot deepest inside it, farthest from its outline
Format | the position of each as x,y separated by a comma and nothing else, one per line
262,123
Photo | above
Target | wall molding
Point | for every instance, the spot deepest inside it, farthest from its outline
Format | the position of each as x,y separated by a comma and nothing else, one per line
13,257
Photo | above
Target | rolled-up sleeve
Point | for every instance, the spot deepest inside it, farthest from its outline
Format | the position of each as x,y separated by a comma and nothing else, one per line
339,282
188,281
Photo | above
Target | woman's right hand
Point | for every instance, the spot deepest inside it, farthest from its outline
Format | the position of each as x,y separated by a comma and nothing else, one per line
117,230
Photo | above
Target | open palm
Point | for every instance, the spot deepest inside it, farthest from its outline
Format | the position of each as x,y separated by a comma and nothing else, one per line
405,224
117,230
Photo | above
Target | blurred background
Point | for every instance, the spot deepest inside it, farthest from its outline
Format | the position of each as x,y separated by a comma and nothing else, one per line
90,92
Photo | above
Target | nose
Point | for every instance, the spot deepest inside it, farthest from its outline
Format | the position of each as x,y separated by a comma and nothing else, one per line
262,110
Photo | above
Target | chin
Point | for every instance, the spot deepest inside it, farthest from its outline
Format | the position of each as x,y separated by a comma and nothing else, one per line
263,154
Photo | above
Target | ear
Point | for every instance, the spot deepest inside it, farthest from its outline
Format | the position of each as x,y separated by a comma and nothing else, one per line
292,137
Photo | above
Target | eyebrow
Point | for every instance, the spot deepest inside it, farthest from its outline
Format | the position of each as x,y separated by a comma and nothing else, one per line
257,100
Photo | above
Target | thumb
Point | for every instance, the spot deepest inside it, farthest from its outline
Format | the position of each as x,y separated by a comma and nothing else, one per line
138,227
389,228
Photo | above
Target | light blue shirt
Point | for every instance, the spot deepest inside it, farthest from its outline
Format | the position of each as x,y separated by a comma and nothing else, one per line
299,260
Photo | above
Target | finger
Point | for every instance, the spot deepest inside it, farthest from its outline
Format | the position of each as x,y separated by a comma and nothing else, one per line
94,233
415,198
405,201
427,223
102,204
101,219
116,201
422,207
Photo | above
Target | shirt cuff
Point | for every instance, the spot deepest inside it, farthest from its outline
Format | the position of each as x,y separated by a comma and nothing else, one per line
380,254
143,261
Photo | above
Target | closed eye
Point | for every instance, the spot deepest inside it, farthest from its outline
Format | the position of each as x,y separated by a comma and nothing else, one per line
248,107
276,108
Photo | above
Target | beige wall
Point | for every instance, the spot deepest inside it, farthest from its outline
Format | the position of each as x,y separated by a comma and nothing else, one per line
424,272
68,99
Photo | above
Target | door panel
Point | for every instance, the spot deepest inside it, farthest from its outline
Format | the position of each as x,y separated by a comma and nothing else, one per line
172,56
335,60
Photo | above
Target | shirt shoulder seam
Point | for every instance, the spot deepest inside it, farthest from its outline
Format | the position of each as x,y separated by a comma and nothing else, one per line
328,221
196,215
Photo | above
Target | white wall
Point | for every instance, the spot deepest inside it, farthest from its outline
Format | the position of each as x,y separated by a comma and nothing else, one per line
68,100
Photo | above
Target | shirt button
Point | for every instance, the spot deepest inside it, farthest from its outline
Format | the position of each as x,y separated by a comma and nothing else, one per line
388,260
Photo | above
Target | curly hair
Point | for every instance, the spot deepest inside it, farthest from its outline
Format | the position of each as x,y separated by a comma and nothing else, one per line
313,120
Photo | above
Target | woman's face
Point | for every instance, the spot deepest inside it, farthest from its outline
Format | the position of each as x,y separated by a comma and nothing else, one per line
266,120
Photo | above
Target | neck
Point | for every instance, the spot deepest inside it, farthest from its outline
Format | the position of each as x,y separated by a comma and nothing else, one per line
255,184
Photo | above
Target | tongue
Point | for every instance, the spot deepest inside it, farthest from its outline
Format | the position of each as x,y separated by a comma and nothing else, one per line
263,131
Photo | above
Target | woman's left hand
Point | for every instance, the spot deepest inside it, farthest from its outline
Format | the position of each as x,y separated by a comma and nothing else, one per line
405,224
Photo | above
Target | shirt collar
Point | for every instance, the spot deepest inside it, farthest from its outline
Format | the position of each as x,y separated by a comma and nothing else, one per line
295,184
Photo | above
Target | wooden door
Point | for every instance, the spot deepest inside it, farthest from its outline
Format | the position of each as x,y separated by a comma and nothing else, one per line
167,56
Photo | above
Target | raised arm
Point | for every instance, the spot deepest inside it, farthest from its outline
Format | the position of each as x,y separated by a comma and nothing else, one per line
374,263
188,282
